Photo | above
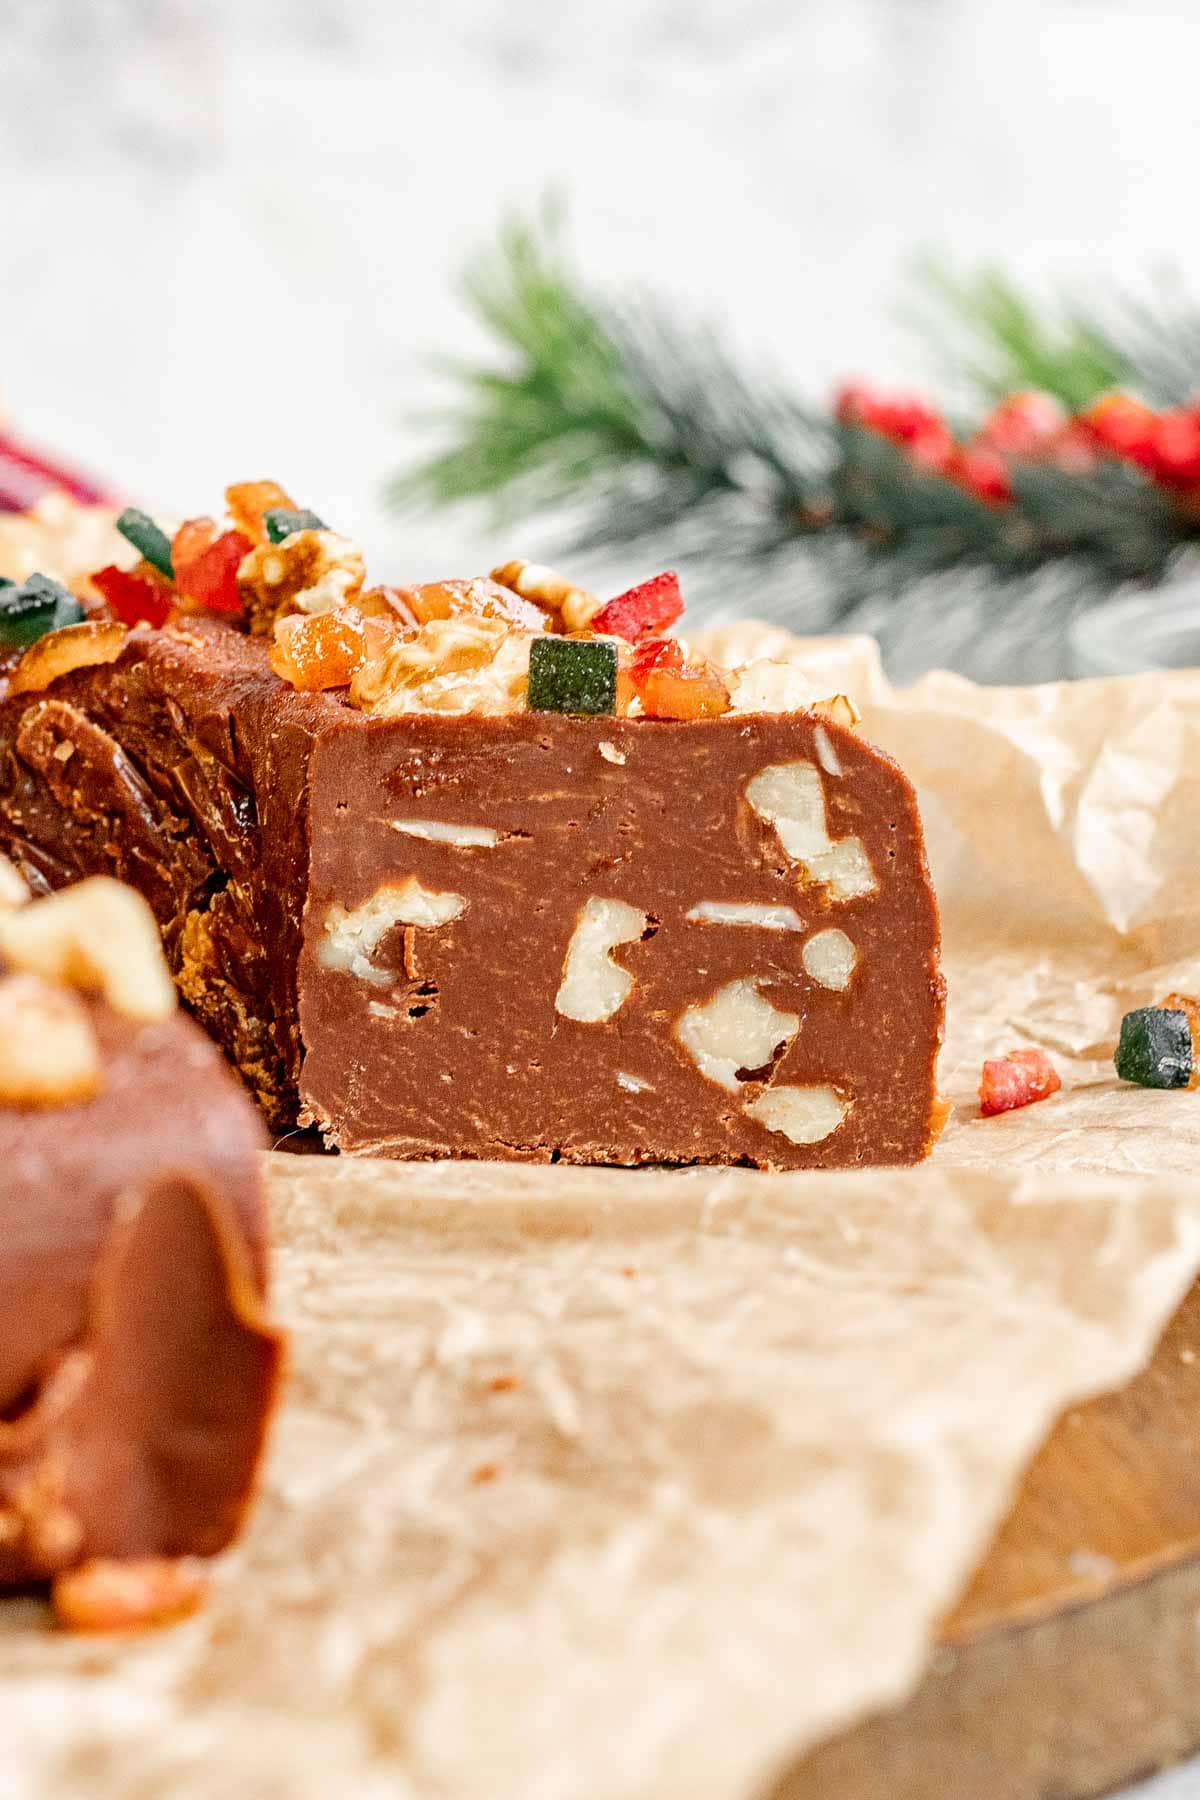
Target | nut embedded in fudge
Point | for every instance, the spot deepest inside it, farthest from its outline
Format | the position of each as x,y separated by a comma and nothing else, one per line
137,1365
441,889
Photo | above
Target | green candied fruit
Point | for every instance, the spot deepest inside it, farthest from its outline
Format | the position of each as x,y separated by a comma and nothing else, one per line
572,675
280,522
29,611
148,539
1155,1048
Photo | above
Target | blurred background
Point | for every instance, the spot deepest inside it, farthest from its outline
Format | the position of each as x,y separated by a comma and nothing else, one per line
234,230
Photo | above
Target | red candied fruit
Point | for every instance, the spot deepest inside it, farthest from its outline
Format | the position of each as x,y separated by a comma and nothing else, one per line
135,596
1018,1079
206,564
650,606
317,651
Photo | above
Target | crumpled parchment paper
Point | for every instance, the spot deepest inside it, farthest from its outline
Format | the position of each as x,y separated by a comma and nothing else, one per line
593,1485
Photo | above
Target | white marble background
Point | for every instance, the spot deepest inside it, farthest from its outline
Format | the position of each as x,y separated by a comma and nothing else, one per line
229,228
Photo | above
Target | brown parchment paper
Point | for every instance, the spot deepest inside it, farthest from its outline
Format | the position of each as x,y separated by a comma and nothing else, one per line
592,1484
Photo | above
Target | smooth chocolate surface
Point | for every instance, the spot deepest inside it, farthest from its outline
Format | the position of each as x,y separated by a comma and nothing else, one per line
137,1365
252,817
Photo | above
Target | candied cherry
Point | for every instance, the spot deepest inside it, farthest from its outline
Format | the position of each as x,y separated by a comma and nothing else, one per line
206,564
137,596
318,650
1018,1079
647,607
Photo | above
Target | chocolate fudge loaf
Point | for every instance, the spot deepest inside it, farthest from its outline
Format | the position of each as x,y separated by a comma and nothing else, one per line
137,1364
486,869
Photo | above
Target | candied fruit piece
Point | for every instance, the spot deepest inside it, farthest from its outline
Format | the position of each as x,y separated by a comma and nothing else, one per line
683,690
137,596
249,502
148,539
1189,1004
655,653
572,675
1155,1049
29,610
647,607
314,651
480,598
1018,1079
283,522
206,565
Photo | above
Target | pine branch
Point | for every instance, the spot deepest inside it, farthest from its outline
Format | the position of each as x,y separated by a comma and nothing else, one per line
633,428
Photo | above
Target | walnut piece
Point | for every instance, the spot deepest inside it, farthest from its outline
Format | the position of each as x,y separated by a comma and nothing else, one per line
791,797
734,1030
458,665
13,891
745,912
351,938
829,958
594,987
309,572
49,1052
461,837
70,647
533,581
803,1115
99,936
775,687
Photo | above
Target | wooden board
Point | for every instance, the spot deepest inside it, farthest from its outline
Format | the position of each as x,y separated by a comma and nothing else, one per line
1072,1663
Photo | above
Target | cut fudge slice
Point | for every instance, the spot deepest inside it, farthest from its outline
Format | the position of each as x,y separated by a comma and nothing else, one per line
137,1364
514,934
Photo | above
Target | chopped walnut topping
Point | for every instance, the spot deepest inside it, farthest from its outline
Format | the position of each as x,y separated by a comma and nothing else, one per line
98,936
775,687
13,891
594,987
458,665
803,1115
309,572
790,796
49,1052
352,937
548,588
735,1033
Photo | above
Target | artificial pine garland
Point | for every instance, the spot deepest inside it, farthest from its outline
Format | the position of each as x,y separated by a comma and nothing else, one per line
642,430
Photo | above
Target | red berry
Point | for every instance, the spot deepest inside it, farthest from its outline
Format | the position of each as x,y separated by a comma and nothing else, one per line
983,474
1124,427
1177,449
647,607
1018,1079
854,403
1022,424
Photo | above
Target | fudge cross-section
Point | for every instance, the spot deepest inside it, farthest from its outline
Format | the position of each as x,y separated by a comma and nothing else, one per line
617,940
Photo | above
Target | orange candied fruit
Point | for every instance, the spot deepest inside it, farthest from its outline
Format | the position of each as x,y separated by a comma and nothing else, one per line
318,650
672,687
480,598
250,501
